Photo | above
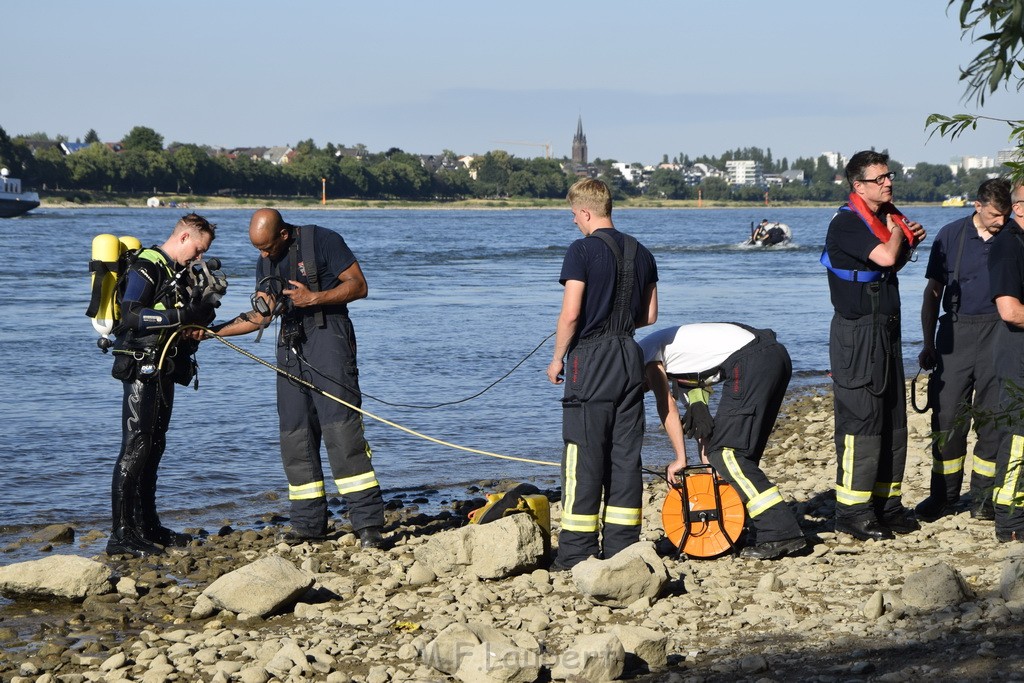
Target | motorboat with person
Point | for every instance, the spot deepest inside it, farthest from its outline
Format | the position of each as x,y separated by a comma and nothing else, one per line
14,202
769,233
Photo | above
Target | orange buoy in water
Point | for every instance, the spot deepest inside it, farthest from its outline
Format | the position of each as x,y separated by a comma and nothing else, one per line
703,516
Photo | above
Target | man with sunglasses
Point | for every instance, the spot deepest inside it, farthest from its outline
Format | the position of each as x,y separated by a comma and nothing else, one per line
1006,280
868,241
963,354
308,275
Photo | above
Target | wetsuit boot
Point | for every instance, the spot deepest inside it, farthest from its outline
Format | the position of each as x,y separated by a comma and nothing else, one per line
127,538
152,530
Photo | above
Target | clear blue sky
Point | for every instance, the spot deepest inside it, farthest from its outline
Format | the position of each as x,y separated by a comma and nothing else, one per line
649,78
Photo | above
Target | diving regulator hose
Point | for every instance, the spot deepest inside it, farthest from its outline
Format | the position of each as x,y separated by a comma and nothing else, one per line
298,380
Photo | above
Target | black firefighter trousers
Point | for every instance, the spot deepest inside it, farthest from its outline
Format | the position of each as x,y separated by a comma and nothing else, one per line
964,379
603,430
328,361
754,384
870,416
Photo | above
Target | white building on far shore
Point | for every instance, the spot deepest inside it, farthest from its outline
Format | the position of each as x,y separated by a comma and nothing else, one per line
835,160
744,172
1009,154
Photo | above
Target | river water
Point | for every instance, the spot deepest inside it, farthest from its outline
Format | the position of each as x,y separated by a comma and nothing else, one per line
456,299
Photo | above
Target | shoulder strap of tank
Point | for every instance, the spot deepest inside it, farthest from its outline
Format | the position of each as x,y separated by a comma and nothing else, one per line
124,264
100,269
307,249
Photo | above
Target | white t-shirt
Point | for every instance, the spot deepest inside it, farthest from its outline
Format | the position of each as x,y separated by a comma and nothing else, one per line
699,347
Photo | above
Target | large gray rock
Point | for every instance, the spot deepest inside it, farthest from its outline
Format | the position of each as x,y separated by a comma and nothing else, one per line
636,572
452,645
935,587
268,585
498,663
591,658
494,550
648,646
63,576
1011,582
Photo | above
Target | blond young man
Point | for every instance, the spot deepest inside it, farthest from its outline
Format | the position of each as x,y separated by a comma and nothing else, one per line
610,283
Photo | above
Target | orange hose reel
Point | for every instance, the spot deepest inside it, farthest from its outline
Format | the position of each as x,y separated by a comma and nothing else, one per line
710,521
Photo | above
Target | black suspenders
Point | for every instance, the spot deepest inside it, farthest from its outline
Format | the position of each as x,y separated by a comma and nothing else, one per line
621,319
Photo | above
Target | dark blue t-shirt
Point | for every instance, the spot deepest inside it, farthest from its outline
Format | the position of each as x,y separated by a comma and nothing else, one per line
975,297
333,257
590,261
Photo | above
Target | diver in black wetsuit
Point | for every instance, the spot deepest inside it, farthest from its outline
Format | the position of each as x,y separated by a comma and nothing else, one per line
154,303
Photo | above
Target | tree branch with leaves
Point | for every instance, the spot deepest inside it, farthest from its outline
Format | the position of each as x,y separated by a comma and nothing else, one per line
998,25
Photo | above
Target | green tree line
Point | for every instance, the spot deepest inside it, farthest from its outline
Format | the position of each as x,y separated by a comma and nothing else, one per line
143,165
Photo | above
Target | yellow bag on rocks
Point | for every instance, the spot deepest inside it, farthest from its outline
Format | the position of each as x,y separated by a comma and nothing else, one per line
522,498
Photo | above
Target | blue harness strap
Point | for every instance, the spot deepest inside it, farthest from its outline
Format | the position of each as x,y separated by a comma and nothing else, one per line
850,275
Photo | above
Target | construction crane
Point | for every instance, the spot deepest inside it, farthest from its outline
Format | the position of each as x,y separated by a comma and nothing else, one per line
545,145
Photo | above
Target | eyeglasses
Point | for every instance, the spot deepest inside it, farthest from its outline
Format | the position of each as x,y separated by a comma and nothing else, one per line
880,180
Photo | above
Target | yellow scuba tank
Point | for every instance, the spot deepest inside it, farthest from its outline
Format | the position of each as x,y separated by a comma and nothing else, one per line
107,251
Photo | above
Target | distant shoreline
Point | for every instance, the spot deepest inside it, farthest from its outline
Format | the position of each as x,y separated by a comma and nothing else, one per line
207,203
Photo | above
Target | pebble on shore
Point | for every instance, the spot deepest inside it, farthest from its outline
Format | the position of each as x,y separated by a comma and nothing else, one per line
942,603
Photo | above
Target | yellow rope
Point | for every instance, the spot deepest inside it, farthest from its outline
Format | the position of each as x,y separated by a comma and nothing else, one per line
340,400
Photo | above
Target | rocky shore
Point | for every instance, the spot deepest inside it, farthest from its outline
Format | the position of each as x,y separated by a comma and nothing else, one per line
453,602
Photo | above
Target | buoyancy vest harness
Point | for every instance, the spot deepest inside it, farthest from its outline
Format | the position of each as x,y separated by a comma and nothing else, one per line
167,295
857,205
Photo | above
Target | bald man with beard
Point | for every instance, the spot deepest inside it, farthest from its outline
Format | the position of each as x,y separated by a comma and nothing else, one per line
307,275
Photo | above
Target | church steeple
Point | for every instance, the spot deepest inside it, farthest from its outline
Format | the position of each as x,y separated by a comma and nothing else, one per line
579,145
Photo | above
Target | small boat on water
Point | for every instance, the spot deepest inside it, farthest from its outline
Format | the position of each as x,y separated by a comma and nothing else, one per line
14,202
769,234
957,201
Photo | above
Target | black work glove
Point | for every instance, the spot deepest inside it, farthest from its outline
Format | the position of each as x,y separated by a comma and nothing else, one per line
197,313
697,421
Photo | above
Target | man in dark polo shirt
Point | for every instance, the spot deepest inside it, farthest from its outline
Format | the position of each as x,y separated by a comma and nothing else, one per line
963,354
610,283
866,244
1006,279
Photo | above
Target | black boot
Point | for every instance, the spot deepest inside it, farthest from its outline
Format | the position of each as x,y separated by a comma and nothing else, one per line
168,537
981,505
126,537
370,537
149,520
933,508
127,541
